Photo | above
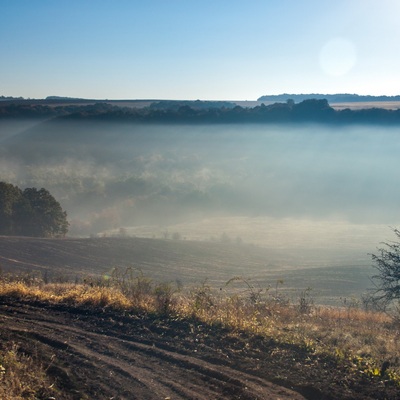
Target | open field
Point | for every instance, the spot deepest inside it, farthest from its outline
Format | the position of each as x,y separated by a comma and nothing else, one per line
387,105
192,262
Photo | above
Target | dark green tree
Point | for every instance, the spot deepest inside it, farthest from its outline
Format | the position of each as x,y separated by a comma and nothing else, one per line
10,195
30,212
43,214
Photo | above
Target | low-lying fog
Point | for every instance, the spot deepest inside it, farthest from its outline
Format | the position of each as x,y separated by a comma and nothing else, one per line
323,190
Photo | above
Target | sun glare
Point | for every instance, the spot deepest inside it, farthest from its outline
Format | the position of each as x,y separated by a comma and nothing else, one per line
337,57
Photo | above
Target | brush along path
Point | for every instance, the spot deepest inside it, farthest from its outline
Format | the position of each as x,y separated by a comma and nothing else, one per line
103,356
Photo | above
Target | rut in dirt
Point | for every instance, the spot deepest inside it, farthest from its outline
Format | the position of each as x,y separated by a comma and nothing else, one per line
121,358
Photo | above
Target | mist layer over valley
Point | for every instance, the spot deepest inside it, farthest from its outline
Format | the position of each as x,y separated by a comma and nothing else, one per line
324,195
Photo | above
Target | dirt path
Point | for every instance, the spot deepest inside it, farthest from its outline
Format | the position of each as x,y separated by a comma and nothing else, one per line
107,356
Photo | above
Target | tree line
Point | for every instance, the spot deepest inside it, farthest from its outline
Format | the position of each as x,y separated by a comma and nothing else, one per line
310,110
30,212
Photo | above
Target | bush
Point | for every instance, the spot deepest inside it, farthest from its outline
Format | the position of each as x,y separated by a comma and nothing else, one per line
387,263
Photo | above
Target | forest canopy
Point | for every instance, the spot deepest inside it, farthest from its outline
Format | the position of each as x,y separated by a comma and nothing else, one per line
30,212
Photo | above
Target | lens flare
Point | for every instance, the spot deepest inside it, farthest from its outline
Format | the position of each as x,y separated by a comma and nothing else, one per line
337,57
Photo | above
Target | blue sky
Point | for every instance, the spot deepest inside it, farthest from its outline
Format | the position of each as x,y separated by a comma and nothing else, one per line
209,49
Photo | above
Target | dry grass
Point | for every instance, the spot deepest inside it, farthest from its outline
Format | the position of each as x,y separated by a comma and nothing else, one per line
76,295
21,377
361,341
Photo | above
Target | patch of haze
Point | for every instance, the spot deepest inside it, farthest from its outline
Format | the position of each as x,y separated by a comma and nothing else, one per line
10,127
11,171
109,174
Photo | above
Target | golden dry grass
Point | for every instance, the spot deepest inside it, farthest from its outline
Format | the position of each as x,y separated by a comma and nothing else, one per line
21,377
352,330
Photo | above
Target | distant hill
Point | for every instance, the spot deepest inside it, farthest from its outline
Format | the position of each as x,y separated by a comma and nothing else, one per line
3,98
332,98
64,98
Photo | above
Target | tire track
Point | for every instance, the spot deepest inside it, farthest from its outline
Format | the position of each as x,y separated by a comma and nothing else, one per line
134,368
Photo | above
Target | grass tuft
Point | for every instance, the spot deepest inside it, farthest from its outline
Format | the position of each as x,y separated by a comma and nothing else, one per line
21,377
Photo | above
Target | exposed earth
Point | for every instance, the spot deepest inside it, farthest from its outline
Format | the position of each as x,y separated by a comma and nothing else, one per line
104,355
187,263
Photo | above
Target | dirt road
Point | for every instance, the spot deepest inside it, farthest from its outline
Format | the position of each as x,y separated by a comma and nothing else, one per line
106,356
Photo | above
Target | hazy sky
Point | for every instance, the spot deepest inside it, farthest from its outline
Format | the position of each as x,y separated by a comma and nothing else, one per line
209,49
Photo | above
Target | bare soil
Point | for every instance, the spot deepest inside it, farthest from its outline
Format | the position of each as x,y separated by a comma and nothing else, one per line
106,355
190,262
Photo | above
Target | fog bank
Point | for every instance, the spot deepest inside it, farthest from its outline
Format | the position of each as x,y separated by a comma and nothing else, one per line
112,175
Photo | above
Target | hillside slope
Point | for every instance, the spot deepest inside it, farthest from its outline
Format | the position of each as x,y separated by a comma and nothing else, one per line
184,262
163,260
